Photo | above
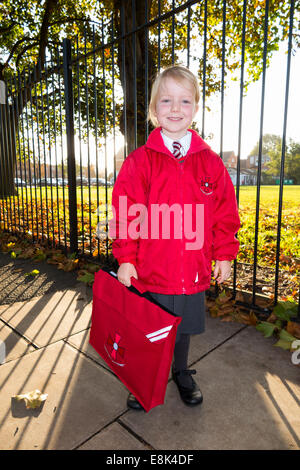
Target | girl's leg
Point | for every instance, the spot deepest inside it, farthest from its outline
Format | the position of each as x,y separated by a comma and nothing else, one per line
189,391
181,352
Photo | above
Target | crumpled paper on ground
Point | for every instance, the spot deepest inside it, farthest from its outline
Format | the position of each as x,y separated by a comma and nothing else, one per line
33,399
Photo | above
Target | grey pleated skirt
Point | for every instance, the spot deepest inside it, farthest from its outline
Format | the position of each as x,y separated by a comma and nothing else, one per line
190,307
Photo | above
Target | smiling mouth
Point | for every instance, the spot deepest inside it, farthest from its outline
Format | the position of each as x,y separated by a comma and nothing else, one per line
174,118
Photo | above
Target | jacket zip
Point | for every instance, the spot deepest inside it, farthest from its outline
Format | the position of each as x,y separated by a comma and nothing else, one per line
182,225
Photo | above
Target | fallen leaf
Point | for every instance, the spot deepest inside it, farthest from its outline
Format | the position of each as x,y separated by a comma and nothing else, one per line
283,344
33,399
266,328
70,265
293,328
225,309
227,318
285,340
285,310
247,318
26,254
34,272
88,278
223,297
239,297
263,303
210,303
272,318
10,245
214,311
40,255
253,318
58,257
92,268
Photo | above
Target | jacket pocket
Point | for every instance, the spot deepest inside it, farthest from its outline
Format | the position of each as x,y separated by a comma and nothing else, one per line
204,266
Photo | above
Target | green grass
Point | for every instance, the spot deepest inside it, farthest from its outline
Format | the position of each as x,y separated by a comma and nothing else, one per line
88,200
269,195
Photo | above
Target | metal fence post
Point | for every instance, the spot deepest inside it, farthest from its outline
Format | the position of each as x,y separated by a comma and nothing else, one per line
67,67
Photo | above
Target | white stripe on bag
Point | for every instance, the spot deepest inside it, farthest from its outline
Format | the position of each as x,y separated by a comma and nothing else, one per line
158,334
156,338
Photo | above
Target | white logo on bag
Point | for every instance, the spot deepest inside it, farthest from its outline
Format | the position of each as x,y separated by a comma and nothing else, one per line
159,334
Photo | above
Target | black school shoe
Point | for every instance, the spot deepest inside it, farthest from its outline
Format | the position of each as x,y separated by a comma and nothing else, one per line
191,395
133,403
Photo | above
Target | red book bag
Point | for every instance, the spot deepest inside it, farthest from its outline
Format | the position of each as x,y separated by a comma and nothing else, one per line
134,335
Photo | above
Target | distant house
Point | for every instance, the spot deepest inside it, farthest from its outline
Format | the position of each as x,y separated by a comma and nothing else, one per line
252,161
247,177
229,159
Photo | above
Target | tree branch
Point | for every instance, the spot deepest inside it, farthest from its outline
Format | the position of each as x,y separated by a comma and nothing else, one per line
26,48
50,7
69,19
15,46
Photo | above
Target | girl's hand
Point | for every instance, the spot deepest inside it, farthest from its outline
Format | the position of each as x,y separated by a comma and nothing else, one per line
222,270
125,271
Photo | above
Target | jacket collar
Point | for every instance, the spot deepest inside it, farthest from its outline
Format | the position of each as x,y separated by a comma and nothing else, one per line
155,142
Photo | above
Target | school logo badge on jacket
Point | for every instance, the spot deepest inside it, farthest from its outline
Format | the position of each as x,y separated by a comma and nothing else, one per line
205,186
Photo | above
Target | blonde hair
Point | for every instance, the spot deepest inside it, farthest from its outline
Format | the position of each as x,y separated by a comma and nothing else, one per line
177,72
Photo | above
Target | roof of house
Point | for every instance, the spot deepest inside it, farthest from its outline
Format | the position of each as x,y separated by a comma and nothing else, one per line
227,155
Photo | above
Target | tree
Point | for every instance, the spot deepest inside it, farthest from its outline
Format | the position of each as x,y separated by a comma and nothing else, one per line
31,31
293,163
272,147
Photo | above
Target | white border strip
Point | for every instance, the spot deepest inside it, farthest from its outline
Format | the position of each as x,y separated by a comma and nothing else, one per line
158,332
156,338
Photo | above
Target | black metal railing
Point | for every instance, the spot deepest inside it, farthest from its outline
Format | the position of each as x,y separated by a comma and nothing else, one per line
62,122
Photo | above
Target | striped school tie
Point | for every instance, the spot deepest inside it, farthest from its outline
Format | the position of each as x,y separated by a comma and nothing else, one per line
177,149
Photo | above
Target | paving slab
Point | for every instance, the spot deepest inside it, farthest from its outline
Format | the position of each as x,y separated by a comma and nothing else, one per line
11,344
80,341
82,399
49,318
251,401
216,332
114,437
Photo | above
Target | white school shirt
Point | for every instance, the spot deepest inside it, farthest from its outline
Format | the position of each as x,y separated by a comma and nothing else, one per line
185,142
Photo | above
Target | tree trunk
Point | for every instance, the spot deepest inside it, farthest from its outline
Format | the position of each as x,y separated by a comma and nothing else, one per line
131,74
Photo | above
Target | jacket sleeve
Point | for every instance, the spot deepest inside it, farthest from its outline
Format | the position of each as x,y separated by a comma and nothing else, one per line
131,187
226,221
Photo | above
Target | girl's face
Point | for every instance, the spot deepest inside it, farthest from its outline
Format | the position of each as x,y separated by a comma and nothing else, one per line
175,107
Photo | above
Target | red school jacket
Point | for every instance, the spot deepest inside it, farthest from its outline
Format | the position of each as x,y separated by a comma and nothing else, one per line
188,216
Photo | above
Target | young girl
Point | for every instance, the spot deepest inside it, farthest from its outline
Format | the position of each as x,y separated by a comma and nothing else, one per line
176,173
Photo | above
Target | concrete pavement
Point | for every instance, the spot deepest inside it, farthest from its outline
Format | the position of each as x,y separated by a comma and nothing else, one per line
251,389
